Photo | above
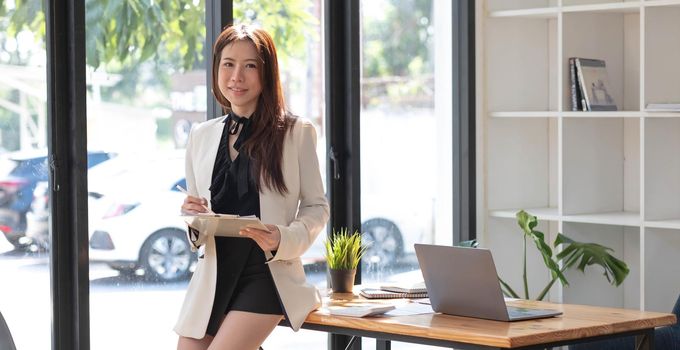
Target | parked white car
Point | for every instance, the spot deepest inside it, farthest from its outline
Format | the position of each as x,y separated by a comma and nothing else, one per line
398,185
141,229
5,245
388,228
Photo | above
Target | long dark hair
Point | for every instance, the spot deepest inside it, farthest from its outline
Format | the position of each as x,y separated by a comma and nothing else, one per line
271,119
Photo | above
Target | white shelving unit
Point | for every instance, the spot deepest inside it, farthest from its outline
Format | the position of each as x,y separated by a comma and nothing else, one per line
606,177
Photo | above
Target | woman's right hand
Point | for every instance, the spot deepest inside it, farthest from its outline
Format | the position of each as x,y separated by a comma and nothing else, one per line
195,205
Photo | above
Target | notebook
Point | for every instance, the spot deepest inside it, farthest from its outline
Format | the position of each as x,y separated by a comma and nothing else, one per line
224,225
374,293
472,289
405,288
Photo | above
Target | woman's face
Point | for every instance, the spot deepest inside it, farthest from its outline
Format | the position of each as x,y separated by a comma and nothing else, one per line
239,78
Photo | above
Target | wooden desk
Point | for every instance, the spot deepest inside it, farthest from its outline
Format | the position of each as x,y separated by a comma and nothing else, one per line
578,323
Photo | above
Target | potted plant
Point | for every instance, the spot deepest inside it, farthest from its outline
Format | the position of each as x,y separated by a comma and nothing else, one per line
343,253
585,254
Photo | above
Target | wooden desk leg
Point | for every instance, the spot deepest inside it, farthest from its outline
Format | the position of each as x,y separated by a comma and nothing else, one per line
381,344
645,341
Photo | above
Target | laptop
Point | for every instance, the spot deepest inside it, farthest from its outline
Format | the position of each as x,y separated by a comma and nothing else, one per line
463,282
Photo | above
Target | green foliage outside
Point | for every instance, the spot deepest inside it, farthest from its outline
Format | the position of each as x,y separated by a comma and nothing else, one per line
398,53
289,22
399,44
145,42
573,254
125,36
344,250
125,33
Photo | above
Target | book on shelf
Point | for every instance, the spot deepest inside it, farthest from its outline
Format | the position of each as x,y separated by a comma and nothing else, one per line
375,293
575,87
405,288
662,107
594,83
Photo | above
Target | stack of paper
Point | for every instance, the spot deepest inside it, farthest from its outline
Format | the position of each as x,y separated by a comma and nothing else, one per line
663,107
361,311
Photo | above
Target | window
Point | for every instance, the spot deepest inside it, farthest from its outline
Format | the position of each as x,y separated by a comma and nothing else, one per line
405,149
24,263
297,35
145,87
405,135
140,105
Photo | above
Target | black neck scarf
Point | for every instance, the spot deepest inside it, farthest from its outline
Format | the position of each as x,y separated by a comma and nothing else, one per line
242,162
235,122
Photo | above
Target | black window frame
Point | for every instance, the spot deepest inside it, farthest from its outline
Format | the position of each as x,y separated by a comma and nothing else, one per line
67,141
67,151
463,127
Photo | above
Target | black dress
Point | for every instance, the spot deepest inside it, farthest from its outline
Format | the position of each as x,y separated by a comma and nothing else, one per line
244,282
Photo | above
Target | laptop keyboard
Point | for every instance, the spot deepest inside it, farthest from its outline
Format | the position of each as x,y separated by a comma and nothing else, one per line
524,313
519,311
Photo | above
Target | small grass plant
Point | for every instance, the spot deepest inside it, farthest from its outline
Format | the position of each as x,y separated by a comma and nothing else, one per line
344,250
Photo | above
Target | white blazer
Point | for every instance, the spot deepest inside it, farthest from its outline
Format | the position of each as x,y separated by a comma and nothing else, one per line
300,214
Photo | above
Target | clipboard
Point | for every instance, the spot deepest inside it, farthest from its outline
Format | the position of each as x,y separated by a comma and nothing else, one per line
222,225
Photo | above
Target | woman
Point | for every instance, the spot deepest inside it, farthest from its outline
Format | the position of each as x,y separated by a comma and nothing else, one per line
257,160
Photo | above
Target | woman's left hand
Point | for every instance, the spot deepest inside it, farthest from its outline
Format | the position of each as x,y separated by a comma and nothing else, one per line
267,240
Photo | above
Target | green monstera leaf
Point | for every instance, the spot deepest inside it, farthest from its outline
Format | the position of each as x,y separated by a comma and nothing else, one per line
573,253
587,254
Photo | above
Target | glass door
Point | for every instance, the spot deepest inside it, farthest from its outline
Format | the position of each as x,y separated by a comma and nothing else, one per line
146,86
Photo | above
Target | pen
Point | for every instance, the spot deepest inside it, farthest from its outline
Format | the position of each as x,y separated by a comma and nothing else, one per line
183,190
